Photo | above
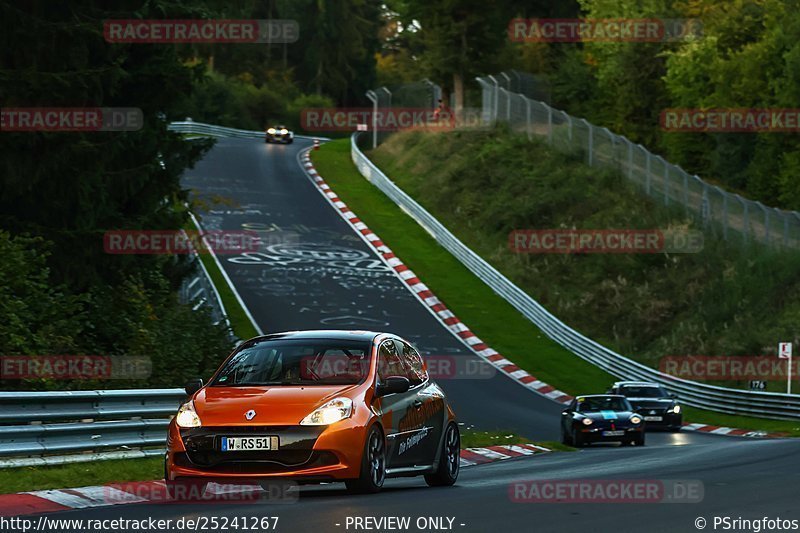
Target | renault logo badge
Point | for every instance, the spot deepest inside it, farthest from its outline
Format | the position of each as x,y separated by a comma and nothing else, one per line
251,414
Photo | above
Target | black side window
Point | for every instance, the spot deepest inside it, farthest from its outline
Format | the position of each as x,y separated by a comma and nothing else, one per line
413,362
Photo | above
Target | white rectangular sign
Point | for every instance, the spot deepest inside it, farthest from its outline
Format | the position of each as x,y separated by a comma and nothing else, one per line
785,350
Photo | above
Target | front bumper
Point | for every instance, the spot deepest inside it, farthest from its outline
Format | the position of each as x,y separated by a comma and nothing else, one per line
305,453
597,434
277,138
668,420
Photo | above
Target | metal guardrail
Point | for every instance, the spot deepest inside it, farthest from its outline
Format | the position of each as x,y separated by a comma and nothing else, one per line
200,128
77,422
726,400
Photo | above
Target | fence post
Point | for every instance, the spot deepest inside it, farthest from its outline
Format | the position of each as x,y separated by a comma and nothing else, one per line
528,117
630,159
569,128
589,141
785,231
746,232
374,99
686,192
724,214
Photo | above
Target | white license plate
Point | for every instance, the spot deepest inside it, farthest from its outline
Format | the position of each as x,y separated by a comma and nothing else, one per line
613,433
653,419
247,444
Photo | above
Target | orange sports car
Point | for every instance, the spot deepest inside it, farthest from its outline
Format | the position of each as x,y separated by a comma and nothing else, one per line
316,406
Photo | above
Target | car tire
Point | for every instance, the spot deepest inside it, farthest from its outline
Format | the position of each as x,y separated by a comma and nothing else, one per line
566,440
578,440
638,441
290,141
373,464
449,460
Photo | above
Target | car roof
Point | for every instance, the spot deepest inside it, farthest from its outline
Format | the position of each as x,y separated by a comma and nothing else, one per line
600,396
636,383
329,334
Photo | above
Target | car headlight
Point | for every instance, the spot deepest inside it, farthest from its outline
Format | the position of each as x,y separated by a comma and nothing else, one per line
675,409
271,131
284,131
635,419
333,411
587,421
187,416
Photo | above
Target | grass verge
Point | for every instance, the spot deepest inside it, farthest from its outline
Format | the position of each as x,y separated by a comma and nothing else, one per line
493,319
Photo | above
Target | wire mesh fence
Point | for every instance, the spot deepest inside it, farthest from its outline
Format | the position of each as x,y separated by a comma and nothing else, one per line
418,95
506,98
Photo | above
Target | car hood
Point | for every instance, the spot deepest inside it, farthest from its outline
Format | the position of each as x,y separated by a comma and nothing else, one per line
610,416
274,405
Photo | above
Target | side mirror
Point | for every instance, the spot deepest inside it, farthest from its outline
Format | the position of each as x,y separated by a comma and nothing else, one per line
393,385
193,386
673,396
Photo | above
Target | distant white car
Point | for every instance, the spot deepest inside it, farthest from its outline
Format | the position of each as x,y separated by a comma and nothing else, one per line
279,134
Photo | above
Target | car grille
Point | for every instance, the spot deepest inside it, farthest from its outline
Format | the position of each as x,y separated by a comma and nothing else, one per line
255,462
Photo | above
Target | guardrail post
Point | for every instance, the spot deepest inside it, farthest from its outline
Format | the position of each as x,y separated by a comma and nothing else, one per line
549,124
647,174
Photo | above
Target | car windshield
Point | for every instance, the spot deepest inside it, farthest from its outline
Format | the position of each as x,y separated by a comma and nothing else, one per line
643,392
602,403
297,362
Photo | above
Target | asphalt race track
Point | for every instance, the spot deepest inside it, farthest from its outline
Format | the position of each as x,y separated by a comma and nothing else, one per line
314,272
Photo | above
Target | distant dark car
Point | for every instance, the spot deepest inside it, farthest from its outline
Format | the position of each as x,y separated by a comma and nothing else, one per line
279,134
659,408
601,418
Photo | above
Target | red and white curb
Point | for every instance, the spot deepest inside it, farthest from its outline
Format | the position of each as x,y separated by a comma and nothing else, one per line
458,328
51,501
736,432
476,456
427,297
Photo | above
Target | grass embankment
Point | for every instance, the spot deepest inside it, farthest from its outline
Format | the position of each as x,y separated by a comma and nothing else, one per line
453,175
